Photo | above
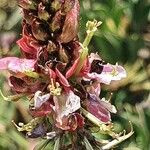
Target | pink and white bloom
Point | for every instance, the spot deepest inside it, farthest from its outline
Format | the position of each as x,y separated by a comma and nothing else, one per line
65,104
17,65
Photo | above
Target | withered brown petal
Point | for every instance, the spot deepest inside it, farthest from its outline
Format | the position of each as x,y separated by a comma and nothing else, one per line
42,13
67,6
70,28
39,31
56,21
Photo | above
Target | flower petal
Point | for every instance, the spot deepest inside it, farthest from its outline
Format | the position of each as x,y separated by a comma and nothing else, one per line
39,99
71,70
66,104
17,65
42,111
97,109
108,74
62,78
28,45
70,27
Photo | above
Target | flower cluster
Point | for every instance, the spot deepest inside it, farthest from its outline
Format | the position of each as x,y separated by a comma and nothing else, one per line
58,75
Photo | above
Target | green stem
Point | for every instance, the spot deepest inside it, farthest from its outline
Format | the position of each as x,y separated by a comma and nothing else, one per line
104,129
115,142
91,117
57,144
91,29
12,97
87,144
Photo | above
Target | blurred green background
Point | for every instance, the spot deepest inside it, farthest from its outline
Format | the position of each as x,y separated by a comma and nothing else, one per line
124,37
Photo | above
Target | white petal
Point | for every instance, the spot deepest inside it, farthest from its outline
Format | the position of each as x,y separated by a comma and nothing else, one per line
39,99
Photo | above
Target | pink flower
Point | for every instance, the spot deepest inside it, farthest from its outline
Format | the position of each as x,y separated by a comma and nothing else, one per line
94,68
16,65
104,73
64,105
100,108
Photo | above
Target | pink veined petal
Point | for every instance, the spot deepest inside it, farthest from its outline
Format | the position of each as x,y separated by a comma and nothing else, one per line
28,45
17,65
62,78
98,110
109,73
71,70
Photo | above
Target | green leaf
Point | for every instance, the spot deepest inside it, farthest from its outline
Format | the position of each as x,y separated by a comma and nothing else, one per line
87,144
57,144
42,145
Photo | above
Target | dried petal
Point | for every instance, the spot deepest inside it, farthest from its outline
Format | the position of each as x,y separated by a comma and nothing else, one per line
44,110
63,55
57,21
67,6
27,4
56,4
71,122
42,13
20,85
28,16
29,45
39,31
70,28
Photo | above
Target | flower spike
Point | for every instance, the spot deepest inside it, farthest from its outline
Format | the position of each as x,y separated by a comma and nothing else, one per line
61,79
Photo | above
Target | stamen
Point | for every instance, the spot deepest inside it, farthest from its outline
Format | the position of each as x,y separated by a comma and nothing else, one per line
55,88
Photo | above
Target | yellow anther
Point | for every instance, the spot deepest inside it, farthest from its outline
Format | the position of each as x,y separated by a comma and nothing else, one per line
114,71
54,88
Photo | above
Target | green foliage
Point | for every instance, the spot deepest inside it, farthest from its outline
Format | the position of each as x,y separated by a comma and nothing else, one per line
123,37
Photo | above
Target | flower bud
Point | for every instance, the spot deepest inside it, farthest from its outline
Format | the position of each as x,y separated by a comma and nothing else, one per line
42,13
39,32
